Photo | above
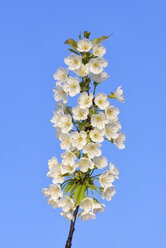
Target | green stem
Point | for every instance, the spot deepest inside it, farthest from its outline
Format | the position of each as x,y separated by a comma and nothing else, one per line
94,90
96,175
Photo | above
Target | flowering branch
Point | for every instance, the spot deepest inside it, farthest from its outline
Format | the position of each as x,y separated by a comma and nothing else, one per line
81,130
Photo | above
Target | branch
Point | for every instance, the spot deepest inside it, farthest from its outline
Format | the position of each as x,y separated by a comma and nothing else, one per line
72,228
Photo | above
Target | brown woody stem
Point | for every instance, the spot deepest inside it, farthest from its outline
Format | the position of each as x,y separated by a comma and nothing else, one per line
72,228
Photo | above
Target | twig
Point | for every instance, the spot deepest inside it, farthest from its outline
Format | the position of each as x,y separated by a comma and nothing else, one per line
72,228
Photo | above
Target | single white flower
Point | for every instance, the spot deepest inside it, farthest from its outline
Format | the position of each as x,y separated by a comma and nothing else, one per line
101,77
79,139
99,50
68,215
86,215
101,100
106,179
119,141
58,131
73,61
85,100
72,86
68,157
80,114
54,192
99,120
56,118
85,164
98,207
84,45
112,113
61,106
66,123
65,141
87,204
53,163
96,135
96,65
68,168
119,94
60,94
108,193
92,149
66,203
112,130
61,75
54,204
100,162
83,71
114,171
57,175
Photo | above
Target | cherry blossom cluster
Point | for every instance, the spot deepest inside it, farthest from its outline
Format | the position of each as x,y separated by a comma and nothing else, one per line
80,177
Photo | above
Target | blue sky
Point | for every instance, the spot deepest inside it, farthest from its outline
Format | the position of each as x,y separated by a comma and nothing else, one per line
32,47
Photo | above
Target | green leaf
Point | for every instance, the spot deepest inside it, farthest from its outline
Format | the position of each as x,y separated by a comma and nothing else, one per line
71,43
98,40
73,188
87,34
79,194
80,36
69,187
73,51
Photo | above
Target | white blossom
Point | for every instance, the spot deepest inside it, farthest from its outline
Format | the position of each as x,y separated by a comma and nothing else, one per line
98,207
119,141
108,193
66,123
106,179
68,215
87,215
54,204
66,203
80,114
96,65
99,50
68,157
65,141
53,163
61,106
85,164
112,113
84,45
114,171
119,94
87,204
60,94
73,61
81,129
68,168
79,139
72,86
54,192
56,117
61,75
57,175
100,162
83,71
99,120
111,130
85,100
92,149
96,135
101,77
101,100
